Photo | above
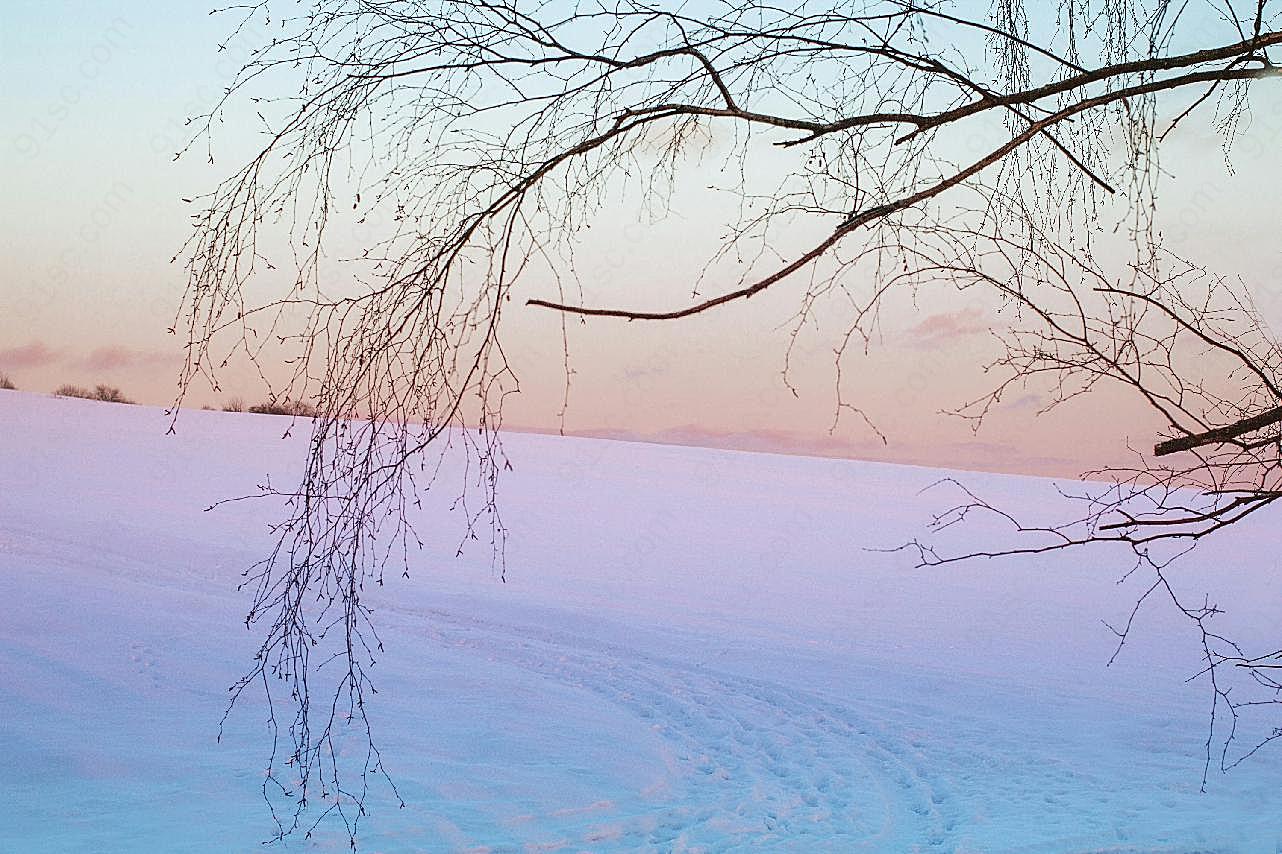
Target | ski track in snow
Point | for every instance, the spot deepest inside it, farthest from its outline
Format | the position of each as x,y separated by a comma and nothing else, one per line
758,764
779,765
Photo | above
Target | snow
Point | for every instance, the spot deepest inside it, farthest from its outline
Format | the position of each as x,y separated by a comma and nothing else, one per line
694,651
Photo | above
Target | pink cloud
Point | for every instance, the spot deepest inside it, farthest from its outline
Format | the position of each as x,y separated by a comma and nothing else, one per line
37,354
947,326
117,358
33,355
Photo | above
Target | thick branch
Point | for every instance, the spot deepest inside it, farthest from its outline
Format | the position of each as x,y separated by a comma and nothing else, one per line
864,217
1226,433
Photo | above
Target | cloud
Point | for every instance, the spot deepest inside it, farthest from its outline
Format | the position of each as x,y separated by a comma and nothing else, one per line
120,358
947,326
1026,401
37,354
33,355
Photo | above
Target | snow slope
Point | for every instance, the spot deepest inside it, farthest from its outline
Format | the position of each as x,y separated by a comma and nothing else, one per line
693,652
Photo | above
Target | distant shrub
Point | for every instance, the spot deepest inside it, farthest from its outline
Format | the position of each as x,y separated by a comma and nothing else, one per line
234,405
109,394
293,408
105,393
7,384
73,391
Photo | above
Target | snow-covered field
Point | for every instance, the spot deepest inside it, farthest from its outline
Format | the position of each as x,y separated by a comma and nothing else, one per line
693,652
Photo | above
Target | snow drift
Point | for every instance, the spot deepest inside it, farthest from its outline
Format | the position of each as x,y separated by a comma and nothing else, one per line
694,651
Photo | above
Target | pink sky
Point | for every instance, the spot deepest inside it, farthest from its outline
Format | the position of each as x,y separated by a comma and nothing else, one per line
94,214
675,383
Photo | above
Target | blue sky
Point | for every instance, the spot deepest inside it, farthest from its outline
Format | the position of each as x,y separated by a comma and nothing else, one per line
93,106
